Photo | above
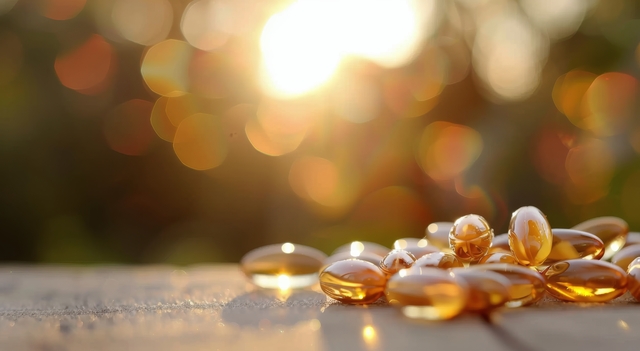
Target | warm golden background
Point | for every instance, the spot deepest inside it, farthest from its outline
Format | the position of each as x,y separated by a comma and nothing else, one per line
181,131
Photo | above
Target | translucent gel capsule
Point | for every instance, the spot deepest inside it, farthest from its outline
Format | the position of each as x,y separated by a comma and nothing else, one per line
530,236
500,243
438,260
624,257
585,280
417,247
570,244
395,261
353,281
498,257
611,230
527,285
470,238
633,238
427,293
362,246
633,278
438,234
346,255
283,266
487,290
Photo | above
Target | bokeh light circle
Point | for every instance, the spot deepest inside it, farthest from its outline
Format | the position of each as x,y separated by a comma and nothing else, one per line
145,22
165,67
200,142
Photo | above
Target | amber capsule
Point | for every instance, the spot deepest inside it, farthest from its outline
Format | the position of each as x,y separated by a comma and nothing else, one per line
624,257
500,243
585,280
611,230
438,260
353,281
570,244
417,247
633,238
527,285
498,257
345,255
283,266
530,236
427,293
487,289
395,261
470,237
362,246
633,278
438,234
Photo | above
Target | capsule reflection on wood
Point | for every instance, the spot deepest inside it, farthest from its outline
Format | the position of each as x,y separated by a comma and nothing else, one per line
283,266
527,285
470,238
487,289
417,247
530,236
353,281
427,293
571,244
633,277
395,261
585,280
624,257
438,260
611,230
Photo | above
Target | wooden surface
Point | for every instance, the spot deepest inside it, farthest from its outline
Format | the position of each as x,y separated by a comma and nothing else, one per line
214,308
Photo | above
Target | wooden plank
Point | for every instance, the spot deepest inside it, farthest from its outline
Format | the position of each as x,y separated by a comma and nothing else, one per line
573,327
202,308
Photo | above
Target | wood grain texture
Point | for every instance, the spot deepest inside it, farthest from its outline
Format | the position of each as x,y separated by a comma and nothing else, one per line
215,308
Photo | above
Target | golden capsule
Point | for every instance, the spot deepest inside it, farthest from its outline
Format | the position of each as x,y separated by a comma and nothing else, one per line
527,285
624,257
438,260
395,261
470,238
357,247
427,293
438,234
417,247
530,236
345,255
633,238
570,244
633,278
283,266
611,230
498,257
500,243
585,280
487,289
353,281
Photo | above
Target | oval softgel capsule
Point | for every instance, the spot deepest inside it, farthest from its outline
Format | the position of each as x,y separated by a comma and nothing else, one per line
585,280
282,266
530,236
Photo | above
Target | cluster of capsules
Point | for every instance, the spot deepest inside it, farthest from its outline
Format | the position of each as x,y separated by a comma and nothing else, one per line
461,266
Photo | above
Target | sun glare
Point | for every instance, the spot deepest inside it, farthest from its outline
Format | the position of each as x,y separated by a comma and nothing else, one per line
303,45
298,50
